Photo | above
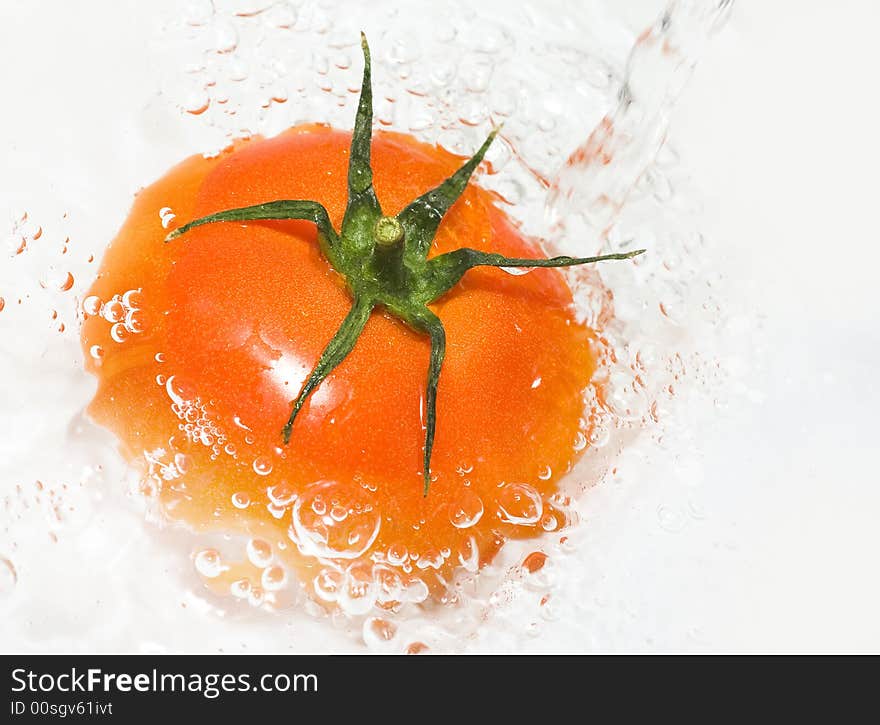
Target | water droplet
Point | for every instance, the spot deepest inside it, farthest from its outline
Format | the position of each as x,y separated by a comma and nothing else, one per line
238,71
182,462
241,500
256,597
66,282
240,588
119,332
196,103
208,563
177,391
416,591
282,15
466,510
358,592
237,420
282,494
133,299
519,504
198,12
549,522
534,561
2,304
259,553
8,577
390,585
274,578
262,466
671,518
432,559
397,554
17,243
469,555
96,351
327,584
160,357
113,311
92,305
134,321
378,632
317,534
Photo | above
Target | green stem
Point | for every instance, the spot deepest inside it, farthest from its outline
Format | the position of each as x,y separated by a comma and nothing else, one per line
428,322
446,270
341,344
389,239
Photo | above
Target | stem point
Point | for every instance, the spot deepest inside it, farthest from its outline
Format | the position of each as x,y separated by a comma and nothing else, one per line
388,231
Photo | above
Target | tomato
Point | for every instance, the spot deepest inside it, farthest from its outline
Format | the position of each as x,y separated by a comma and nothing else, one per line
222,327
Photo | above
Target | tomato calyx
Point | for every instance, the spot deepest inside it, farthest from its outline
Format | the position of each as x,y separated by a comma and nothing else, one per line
384,259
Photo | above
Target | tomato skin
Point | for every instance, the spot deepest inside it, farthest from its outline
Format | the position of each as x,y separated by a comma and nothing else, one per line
241,313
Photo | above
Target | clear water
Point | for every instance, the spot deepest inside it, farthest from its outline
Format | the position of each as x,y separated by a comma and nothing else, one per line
586,163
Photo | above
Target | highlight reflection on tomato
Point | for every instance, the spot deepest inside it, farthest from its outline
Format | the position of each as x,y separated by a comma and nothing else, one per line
202,343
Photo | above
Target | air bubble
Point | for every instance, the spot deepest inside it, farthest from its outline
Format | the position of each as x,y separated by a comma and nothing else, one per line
327,584
256,597
378,632
240,589
466,510
8,577
282,15
166,216
358,592
195,104
282,494
671,518
208,563
516,271
119,332
225,38
397,554
66,282
259,553
317,534
390,587
199,12
416,591
92,305
519,504
113,311
274,578
134,321
549,522
183,462
469,555
262,466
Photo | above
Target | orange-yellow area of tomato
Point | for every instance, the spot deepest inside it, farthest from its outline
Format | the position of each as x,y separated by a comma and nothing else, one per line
239,314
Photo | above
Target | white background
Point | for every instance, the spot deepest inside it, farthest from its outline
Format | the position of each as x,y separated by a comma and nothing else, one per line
779,128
